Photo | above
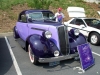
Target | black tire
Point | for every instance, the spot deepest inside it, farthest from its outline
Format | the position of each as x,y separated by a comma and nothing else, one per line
32,57
15,34
94,38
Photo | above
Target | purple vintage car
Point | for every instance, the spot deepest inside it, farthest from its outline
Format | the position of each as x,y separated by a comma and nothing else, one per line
46,40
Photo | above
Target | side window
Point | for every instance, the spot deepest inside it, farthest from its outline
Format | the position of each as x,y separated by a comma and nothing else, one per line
79,22
22,18
73,21
48,15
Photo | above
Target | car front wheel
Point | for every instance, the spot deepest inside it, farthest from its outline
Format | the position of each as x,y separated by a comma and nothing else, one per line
94,38
32,57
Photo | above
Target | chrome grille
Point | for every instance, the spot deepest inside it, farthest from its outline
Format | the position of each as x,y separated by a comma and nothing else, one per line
62,33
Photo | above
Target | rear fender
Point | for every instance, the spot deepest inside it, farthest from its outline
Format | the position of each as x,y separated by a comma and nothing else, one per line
16,32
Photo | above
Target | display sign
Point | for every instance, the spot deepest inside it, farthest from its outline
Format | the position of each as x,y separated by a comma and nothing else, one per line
86,57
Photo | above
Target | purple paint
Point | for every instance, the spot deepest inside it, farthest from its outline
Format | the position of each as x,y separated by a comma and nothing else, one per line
86,57
31,31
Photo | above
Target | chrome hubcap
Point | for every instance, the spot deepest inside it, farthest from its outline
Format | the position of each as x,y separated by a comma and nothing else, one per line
94,39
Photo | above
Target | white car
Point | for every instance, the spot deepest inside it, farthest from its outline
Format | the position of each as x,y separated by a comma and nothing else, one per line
90,27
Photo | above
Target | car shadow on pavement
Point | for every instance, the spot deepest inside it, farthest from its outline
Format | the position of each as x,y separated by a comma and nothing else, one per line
5,57
65,64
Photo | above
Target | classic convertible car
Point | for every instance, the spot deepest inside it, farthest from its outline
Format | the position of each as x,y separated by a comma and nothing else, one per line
46,40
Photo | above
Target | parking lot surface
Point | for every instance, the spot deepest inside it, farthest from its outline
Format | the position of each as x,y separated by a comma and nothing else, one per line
67,67
6,63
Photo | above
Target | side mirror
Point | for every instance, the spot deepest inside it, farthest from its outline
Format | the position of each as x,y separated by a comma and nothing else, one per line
82,26
29,19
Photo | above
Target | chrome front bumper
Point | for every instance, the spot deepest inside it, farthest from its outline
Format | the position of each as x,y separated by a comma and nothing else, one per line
59,58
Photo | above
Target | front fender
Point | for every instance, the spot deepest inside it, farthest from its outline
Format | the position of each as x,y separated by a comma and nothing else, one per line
37,44
41,47
75,41
78,40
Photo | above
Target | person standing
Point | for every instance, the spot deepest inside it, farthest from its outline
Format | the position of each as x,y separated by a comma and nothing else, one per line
59,16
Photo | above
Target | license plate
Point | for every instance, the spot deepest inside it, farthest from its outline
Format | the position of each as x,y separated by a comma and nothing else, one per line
54,63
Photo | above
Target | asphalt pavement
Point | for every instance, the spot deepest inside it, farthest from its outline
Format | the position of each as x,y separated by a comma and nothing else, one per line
66,67
6,62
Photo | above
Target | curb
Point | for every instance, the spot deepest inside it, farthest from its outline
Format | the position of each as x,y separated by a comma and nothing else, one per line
6,34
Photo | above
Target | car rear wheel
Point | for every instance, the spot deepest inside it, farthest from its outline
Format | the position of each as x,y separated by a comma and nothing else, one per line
94,38
15,34
32,57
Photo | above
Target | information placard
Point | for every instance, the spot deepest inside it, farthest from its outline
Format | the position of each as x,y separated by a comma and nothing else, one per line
86,57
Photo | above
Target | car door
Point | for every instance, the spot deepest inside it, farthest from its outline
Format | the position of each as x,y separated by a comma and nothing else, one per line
37,25
73,24
22,26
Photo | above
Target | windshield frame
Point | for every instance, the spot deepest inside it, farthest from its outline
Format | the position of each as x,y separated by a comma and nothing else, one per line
42,16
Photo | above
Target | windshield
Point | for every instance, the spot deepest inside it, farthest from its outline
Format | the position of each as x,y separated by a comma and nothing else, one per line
35,15
40,16
92,22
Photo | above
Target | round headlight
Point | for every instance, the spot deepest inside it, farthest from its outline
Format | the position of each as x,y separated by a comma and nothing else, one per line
76,32
48,34
56,53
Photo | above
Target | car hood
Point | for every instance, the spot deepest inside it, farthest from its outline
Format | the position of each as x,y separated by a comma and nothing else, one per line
47,22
